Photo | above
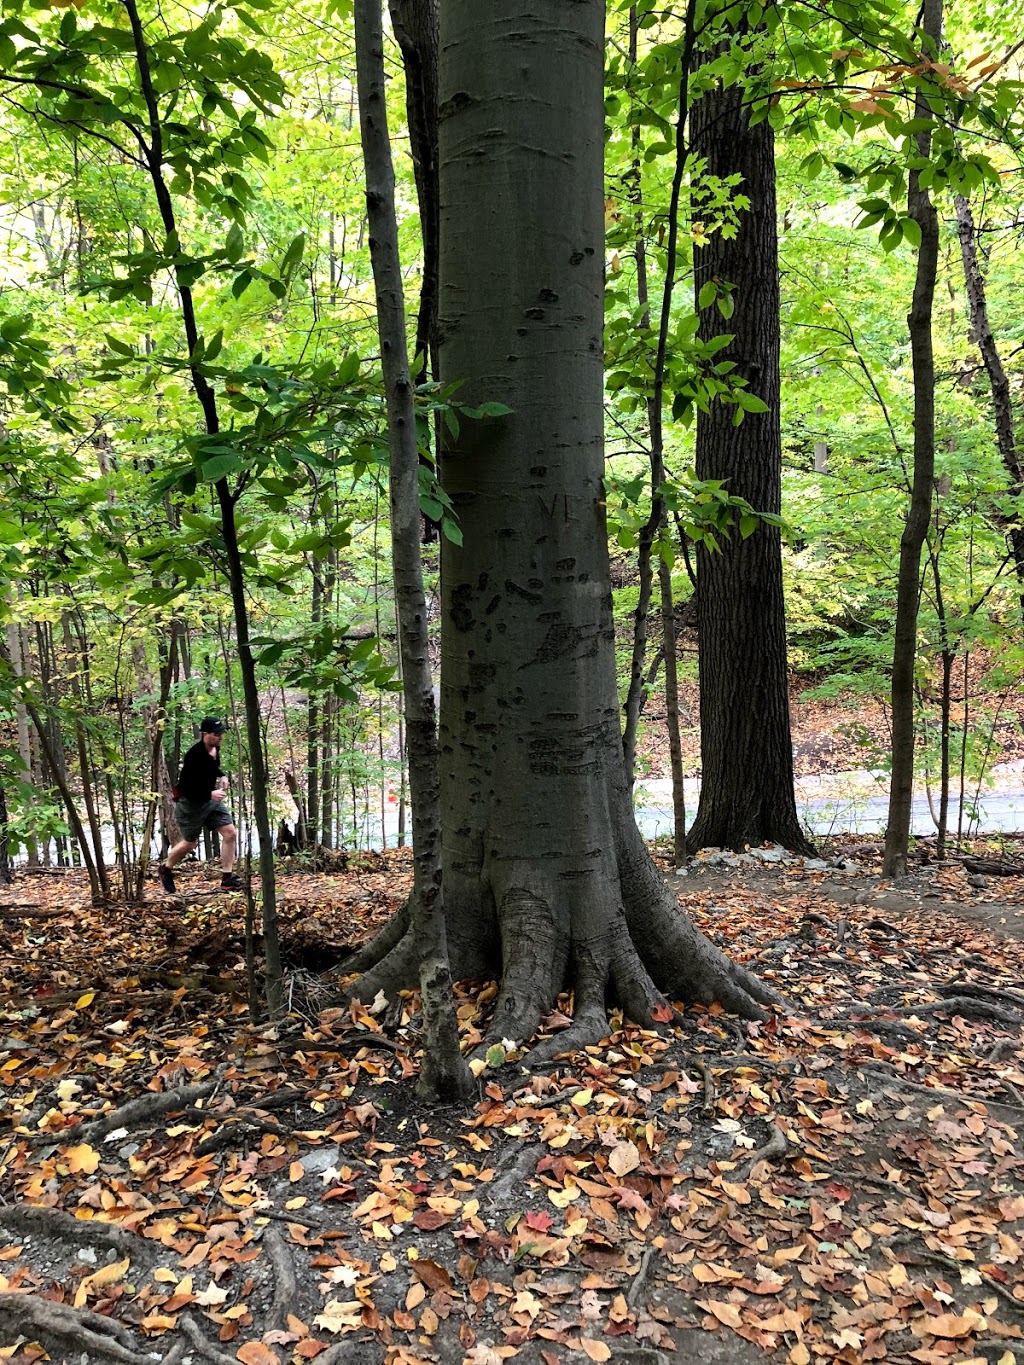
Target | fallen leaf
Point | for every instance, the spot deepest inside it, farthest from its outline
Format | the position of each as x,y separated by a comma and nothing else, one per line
255,1353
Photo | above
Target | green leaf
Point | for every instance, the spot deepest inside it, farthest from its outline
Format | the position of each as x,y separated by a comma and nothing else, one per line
220,466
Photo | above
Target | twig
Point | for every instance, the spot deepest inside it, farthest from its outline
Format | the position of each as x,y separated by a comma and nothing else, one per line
707,1107
637,1288
286,1287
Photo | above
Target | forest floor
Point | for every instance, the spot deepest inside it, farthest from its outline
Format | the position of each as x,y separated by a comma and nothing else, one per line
844,1182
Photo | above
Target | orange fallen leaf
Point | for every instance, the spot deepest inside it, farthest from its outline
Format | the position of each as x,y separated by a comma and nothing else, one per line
596,1350
726,1313
256,1353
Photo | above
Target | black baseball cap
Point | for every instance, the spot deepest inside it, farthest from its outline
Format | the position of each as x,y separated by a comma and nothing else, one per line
211,725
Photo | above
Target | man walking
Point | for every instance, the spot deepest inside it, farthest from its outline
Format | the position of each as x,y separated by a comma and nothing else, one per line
199,804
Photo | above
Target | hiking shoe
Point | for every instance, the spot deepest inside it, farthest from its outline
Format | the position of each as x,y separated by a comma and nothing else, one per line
231,881
167,880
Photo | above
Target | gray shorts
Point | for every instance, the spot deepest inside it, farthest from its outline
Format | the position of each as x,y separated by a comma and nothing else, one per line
195,816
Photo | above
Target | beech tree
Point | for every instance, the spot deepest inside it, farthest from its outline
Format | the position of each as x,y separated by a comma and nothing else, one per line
546,879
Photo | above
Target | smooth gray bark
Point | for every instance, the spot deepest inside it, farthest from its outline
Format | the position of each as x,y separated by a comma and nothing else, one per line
444,1072
547,881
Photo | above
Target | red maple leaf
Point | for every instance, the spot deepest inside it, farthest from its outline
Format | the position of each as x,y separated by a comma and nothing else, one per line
539,1220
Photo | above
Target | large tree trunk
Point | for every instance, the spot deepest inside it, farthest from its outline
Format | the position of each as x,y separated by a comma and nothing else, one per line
546,879
746,792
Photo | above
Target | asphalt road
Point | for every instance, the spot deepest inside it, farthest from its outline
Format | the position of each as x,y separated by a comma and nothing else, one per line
1000,811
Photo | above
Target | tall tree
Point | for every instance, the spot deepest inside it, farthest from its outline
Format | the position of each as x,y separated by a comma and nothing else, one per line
746,794
546,878
921,210
444,1071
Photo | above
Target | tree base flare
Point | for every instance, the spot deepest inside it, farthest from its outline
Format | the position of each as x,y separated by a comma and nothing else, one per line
631,947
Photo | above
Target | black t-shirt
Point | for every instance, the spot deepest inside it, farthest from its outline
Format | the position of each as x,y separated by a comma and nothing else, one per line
199,773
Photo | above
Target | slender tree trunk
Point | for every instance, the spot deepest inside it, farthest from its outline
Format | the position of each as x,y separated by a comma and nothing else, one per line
5,855
16,655
908,589
313,727
444,1072
656,522
416,25
84,765
207,402
1002,402
675,748
747,794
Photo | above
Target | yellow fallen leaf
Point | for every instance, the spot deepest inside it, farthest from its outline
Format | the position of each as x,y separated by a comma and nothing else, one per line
82,1159
85,1000
562,1198
738,1192
340,1317
100,1279
159,1322
296,1171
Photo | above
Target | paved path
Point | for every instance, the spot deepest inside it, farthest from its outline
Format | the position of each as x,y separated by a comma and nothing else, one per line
999,811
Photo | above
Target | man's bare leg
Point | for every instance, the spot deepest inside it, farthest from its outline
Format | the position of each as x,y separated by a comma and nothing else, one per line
179,851
228,846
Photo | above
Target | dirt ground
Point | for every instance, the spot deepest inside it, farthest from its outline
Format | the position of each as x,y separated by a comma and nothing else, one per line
843,1181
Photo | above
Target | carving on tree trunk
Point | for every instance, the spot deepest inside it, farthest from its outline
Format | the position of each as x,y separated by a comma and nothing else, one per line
546,879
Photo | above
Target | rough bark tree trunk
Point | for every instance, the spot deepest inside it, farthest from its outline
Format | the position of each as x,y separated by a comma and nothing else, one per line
1002,402
747,794
546,878
443,1072
908,587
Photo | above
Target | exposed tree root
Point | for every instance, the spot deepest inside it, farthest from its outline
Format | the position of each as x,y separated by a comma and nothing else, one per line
777,1146
152,1105
892,1077
502,1189
31,1218
286,1287
203,1345
79,1329
622,941
970,1007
